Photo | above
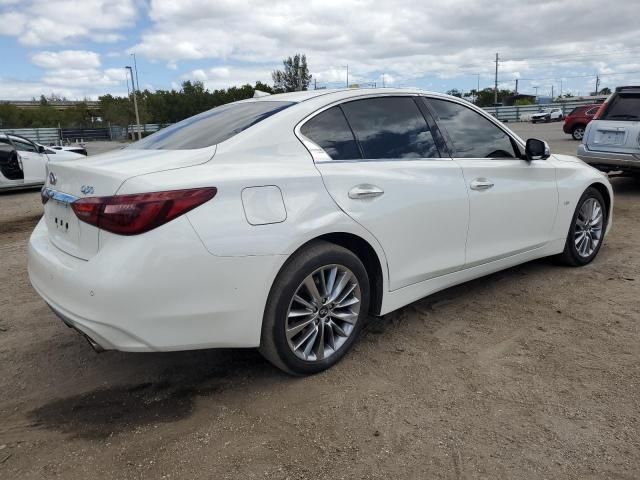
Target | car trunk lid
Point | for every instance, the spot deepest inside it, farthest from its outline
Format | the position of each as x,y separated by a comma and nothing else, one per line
101,176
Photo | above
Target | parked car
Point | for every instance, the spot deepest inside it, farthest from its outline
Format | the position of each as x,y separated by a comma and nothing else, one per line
612,140
23,163
282,222
576,122
79,148
63,153
548,115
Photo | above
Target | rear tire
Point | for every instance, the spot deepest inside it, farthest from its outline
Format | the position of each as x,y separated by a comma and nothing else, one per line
587,230
308,329
577,132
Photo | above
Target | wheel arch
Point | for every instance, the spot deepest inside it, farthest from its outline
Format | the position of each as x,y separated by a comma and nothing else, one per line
604,191
367,255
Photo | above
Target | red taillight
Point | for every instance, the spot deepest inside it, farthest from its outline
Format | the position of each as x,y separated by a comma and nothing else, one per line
600,110
139,213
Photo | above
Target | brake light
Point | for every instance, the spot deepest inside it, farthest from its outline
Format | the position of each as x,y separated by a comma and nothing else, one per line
600,110
139,213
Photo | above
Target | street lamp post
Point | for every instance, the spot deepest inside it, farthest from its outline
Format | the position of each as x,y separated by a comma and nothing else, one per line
135,104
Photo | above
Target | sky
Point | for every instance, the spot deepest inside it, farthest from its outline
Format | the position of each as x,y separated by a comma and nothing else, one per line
78,49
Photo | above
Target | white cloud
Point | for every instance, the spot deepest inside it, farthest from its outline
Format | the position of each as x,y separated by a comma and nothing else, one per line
48,22
79,59
406,39
224,77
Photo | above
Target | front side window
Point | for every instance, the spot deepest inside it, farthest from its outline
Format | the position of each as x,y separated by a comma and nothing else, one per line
390,128
472,135
330,131
211,127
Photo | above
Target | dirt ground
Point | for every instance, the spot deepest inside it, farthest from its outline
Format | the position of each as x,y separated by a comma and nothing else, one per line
531,373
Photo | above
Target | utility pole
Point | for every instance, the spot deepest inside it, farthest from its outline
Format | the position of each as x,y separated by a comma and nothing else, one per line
477,89
135,106
347,76
135,67
315,83
495,88
536,92
552,92
299,78
597,84
560,87
516,86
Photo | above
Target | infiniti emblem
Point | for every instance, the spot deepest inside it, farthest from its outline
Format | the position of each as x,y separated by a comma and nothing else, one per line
86,189
52,178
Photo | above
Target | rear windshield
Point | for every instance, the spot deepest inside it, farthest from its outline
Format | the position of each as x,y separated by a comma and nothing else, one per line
623,106
211,127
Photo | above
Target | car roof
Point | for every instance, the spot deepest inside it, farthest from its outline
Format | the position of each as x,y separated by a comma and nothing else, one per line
339,93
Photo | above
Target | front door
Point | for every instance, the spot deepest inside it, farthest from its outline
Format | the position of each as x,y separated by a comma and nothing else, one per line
33,162
513,202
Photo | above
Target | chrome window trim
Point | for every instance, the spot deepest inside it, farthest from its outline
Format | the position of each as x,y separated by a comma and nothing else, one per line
320,156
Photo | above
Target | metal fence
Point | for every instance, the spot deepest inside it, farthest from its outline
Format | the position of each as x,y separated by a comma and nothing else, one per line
522,113
44,136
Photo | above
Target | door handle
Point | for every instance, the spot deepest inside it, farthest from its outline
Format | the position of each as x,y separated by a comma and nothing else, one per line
365,191
481,184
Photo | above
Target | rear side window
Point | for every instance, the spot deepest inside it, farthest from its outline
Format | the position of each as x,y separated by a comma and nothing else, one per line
473,136
330,131
211,127
390,128
623,106
592,111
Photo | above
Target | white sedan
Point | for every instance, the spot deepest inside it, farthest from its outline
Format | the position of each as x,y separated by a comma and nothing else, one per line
282,222
23,163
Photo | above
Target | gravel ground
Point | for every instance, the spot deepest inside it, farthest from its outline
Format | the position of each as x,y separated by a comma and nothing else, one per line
529,373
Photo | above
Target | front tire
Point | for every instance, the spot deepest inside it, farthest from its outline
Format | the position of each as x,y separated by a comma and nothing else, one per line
316,309
587,229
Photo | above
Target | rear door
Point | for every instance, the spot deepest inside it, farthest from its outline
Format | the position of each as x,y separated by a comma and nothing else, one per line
618,128
33,162
513,202
381,163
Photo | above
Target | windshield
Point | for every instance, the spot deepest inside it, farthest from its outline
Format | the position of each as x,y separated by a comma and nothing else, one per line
211,127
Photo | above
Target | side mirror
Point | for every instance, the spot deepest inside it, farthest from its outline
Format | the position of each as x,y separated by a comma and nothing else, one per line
41,149
537,149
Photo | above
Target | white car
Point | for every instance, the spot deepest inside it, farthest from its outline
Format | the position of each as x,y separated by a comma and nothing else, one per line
548,115
282,222
62,153
23,163
77,148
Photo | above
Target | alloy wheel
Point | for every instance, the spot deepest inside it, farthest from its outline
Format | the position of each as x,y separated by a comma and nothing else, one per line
578,133
588,229
323,312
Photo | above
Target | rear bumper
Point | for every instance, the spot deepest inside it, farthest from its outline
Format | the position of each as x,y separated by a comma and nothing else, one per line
618,161
158,291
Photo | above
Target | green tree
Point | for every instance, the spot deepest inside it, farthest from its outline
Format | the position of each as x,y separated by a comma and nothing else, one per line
605,91
454,92
295,75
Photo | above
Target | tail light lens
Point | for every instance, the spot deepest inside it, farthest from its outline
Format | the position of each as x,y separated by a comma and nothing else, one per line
139,213
600,110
